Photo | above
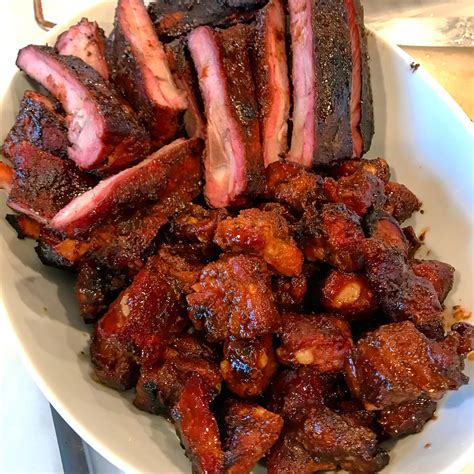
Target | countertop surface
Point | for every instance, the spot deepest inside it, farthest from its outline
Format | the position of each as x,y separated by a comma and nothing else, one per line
27,436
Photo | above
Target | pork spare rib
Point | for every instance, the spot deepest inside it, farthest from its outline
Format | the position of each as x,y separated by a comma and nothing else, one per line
103,131
233,160
331,83
86,40
175,168
142,72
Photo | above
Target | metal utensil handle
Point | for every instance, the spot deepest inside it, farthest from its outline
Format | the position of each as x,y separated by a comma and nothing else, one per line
45,24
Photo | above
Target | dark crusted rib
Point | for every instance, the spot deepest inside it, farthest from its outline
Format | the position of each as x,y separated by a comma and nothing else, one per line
233,163
40,123
185,77
362,112
178,17
86,41
271,78
44,183
142,72
322,26
174,169
104,133
333,76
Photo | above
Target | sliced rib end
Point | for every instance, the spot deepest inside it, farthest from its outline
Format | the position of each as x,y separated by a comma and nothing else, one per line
303,139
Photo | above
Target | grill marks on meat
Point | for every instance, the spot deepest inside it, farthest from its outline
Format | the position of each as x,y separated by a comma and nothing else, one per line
43,183
175,169
86,41
40,123
261,233
331,83
250,432
103,131
233,298
362,112
270,69
396,364
142,73
176,18
233,162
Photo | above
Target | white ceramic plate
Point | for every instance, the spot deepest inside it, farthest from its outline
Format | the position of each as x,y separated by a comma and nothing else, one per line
428,141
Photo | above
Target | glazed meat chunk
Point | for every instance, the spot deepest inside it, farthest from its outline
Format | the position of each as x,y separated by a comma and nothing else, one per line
323,341
143,317
261,233
250,431
360,191
439,274
292,184
348,294
402,294
160,385
325,441
233,298
333,235
407,418
396,364
401,203
289,456
197,427
338,439
197,224
295,391
97,285
290,292
384,227
377,167
248,366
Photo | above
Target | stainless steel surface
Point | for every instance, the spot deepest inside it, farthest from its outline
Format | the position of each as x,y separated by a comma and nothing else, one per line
71,447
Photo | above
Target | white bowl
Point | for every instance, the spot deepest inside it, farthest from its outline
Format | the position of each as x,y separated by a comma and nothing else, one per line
424,136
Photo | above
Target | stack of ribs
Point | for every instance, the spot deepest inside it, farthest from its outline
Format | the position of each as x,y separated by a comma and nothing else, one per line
249,275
